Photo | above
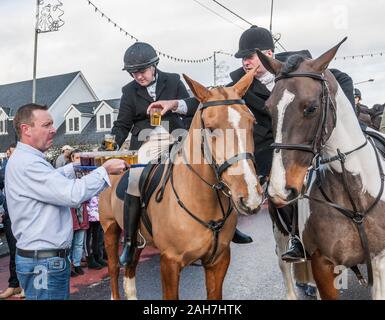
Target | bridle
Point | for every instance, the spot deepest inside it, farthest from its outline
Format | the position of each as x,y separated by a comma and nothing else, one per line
321,134
316,148
214,225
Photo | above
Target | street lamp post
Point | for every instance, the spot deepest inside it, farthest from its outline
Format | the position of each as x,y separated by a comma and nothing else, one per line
48,18
369,80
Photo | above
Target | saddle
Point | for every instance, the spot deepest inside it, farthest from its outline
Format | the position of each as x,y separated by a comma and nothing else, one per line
378,138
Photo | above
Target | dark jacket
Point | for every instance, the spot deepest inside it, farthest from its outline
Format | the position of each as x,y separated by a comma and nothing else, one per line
135,100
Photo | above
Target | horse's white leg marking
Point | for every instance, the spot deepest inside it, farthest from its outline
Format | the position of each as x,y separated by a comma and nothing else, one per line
281,241
378,262
129,288
254,199
277,185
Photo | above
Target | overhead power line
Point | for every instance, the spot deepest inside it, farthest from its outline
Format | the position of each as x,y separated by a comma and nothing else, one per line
237,15
126,33
243,19
217,14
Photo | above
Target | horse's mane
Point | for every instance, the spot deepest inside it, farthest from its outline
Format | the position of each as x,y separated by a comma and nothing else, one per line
292,63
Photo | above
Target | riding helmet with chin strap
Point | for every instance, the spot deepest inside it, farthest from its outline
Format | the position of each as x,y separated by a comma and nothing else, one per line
254,38
139,56
357,93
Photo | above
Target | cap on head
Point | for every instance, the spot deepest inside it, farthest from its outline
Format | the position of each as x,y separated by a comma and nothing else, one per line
357,93
139,56
66,147
254,38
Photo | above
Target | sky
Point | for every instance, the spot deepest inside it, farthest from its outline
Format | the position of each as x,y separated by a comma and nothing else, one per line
188,29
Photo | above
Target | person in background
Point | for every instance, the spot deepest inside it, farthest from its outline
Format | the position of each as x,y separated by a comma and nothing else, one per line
80,226
376,115
64,158
95,236
13,283
362,111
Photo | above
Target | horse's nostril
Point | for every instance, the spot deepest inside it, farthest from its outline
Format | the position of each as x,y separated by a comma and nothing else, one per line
292,194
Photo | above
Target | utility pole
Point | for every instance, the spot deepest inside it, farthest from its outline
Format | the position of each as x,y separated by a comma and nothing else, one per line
215,67
271,16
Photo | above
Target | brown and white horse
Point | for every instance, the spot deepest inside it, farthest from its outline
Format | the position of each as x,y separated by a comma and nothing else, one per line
221,131
315,125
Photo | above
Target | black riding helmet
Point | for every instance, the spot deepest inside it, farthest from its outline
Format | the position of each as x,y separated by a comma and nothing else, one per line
254,38
139,56
357,93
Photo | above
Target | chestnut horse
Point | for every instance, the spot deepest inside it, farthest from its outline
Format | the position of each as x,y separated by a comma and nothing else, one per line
212,177
316,126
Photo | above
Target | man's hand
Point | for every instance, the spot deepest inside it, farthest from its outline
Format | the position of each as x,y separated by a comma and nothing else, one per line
165,105
115,166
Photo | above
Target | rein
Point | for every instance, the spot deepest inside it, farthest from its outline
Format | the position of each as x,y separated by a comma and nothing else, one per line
315,148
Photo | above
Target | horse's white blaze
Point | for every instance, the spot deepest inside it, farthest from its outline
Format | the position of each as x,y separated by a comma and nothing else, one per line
378,262
253,199
129,288
277,186
346,136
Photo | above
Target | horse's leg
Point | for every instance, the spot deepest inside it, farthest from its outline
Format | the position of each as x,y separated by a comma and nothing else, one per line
323,272
111,243
286,268
215,274
378,263
170,272
129,278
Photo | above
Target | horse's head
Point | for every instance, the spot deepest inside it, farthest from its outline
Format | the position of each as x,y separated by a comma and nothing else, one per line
225,126
303,119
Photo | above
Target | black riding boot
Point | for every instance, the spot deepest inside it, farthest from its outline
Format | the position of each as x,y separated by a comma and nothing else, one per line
240,237
295,253
131,216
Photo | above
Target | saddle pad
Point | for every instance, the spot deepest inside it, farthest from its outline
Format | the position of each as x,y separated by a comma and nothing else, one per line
122,185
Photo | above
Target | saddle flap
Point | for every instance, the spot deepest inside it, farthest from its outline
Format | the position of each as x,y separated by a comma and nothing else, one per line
379,140
122,186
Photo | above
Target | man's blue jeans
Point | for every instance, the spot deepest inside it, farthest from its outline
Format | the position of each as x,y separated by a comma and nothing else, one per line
44,279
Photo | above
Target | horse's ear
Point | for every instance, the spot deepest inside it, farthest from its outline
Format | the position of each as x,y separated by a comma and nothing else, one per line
244,83
200,92
272,65
322,62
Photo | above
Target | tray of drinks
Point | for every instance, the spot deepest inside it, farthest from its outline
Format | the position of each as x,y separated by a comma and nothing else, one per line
96,159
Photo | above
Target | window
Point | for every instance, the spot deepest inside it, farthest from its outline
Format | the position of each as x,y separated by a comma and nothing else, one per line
108,121
101,122
3,127
73,125
76,124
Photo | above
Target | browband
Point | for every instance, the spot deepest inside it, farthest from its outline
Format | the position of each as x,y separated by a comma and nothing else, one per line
312,75
204,105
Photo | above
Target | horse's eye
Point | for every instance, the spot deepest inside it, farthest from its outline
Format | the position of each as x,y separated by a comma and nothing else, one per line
309,110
